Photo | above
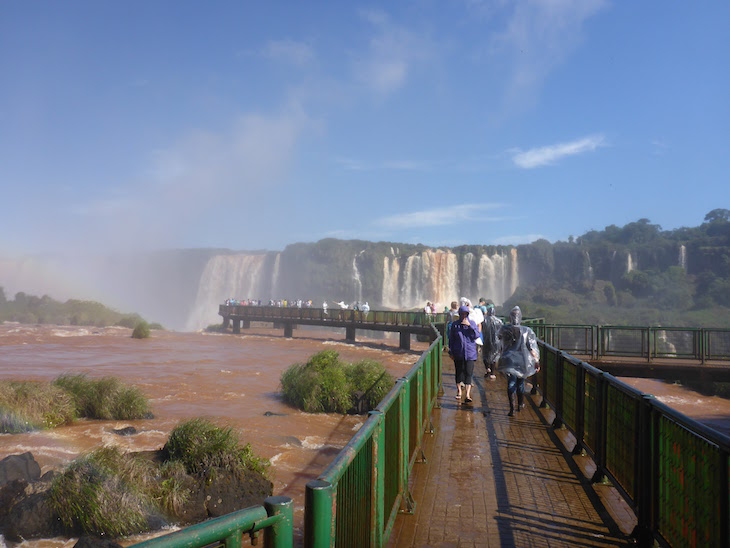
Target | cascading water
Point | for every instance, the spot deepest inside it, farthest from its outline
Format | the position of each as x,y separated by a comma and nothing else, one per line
629,264
514,272
588,272
683,257
356,277
224,277
391,270
275,275
439,276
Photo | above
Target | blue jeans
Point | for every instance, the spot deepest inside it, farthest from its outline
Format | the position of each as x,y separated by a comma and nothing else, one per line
515,384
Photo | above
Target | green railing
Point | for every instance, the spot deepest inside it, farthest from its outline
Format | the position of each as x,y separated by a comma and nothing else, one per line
354,502
672,470
275,518
646,343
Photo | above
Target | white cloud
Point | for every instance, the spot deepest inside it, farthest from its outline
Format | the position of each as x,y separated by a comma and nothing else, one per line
442,216
392,53
296,53
542,156
538,36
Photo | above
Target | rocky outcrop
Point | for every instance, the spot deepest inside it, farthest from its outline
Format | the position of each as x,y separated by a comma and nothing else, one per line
26,512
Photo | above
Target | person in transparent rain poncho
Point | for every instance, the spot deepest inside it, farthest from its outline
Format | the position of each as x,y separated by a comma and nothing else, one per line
492,345
520,358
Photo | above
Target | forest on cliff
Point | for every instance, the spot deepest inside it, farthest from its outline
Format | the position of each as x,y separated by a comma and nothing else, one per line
680,277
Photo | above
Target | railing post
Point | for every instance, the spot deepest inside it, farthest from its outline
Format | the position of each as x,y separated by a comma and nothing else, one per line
377,495
645,474
281,534
319,514
560,364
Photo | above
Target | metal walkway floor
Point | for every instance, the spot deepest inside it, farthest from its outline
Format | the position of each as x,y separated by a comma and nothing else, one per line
494,480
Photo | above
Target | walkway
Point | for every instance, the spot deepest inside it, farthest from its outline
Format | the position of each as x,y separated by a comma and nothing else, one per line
494,480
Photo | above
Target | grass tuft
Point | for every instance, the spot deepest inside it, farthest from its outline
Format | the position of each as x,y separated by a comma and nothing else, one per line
105,399
32,405
200,445
325,384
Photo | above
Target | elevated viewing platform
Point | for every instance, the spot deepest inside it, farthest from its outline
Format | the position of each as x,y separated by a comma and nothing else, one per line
590,461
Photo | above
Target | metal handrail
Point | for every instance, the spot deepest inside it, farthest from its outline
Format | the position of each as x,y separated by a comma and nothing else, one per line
672,470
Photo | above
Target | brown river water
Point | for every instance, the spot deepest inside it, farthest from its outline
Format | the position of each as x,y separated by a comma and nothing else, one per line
232,379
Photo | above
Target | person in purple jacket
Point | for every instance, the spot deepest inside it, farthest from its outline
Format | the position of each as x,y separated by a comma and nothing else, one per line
463,350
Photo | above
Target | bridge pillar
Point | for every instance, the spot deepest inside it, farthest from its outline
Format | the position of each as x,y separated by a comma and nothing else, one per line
350,334
246,324
226,322
236,326
288,330
405,340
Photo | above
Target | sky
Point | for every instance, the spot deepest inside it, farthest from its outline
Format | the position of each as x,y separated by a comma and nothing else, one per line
253,125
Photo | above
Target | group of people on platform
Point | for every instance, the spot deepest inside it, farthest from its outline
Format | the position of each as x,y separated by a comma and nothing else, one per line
509,348
280,303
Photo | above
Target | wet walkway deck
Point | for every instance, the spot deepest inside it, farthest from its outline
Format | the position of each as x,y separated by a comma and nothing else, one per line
494,480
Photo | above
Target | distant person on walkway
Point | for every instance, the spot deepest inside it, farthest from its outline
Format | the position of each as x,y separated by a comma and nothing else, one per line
492,345
463,350
324,307
520,358
365,309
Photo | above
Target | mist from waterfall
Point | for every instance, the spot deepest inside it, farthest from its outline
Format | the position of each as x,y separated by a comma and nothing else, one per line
225,276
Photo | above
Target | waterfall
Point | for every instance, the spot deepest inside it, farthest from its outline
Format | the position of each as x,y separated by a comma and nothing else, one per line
683,257
391,270
588,273
490,283
275,277
225,276
356,277
467,274
514,272
427,276
629,264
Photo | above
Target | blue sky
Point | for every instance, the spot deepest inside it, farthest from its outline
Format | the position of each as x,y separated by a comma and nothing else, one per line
252,125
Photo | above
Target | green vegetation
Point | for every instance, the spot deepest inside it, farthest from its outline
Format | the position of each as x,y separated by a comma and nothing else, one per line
587,280
326,384
200,445
141,330
32,405
104,399
114,494
45,310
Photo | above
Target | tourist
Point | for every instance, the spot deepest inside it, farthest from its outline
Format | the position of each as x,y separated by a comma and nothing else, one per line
520,358
463,350
492,345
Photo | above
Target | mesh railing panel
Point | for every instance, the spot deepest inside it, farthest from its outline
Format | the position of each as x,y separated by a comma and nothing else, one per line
689,493
591,412
392,475
353,522
717,344
573,339
676,343
623,341
621,436
551,366
570,379
413,417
